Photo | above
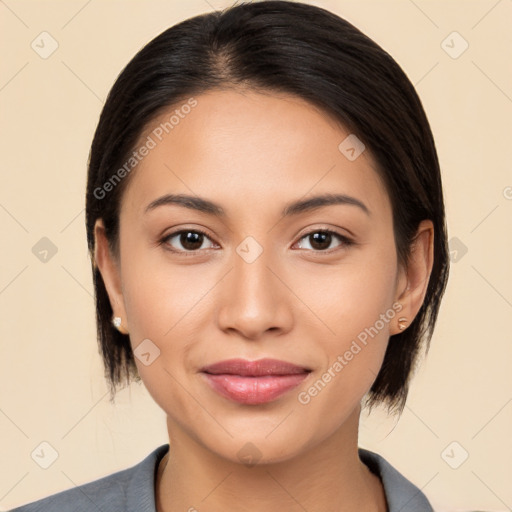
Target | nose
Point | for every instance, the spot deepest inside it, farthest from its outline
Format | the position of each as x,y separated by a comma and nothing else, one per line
254,299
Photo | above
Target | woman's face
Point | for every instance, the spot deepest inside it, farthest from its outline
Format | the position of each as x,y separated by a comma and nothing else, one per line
264,281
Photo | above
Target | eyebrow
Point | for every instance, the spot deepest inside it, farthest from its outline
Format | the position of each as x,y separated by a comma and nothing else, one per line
209,207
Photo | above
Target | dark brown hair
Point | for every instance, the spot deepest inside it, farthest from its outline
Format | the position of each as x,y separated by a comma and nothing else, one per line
297,49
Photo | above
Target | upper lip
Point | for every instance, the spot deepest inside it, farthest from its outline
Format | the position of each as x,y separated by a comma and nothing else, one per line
255,368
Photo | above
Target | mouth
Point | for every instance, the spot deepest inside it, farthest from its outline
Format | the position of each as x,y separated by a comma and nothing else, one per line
254,382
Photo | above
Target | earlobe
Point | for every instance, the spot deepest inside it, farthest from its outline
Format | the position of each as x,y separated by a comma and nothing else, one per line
402,323
117,322
108,267
413,282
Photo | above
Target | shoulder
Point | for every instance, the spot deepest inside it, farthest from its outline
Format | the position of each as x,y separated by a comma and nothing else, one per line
401,494
131,489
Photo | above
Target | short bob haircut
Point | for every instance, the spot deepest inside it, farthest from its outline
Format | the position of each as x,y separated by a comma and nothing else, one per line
309,52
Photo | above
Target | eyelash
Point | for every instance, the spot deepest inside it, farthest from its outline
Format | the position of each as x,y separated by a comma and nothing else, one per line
345,241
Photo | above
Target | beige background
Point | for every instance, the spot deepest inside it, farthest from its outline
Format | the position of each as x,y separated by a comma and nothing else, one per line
51,379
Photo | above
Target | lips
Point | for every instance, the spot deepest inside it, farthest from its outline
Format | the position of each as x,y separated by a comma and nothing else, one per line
253,382
256,368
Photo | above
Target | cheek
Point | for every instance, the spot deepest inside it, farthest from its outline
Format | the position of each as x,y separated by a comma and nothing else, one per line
351,297
166,304
353,360
160,298
163,307
356,304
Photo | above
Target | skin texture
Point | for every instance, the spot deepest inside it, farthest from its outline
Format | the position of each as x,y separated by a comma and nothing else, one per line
254,153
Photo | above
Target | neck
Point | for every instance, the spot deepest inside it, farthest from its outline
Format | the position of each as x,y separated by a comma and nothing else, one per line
329,476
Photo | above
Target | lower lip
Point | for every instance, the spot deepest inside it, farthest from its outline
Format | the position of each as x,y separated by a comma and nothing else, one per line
253,390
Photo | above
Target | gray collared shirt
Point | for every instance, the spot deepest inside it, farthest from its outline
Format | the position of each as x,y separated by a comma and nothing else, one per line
133,489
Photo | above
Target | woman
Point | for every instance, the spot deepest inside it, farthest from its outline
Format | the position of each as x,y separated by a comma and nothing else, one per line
266,224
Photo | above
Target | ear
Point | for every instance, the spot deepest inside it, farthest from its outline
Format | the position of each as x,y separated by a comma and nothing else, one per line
412,282
109,269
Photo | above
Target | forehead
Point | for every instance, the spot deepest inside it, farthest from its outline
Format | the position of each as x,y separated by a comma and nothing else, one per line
245,148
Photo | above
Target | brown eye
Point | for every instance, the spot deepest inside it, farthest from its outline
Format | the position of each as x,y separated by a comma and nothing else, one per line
189,240
320,240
